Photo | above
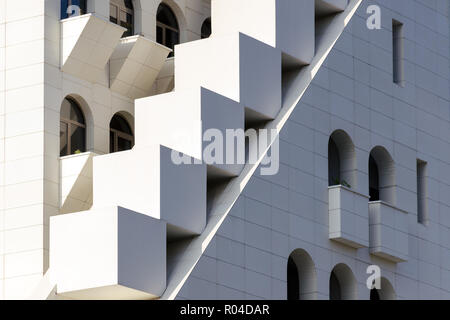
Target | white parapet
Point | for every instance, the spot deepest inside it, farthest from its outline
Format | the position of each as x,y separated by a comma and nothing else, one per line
236,66
87,43
108,253
327,7
146,180
388,231
180,119
284,24
348,217
76,182
135,65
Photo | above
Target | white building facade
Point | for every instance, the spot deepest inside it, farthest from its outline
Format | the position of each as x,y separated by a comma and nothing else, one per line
99,98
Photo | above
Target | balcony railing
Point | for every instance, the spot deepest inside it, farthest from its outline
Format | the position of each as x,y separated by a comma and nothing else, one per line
388,231
348,216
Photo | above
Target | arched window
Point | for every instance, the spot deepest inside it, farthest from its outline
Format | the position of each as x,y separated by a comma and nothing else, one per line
72,132
341,160
167,29
71,8
342,283
120,134
206,28
121,12
381,176
301,276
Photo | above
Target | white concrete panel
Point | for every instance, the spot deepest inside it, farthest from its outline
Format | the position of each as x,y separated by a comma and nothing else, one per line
108,253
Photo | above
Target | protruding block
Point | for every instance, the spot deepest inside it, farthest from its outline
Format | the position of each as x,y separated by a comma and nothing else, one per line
348,217
388,231
146,180
87,44
235,66
108,253
135,64
285,24
181,120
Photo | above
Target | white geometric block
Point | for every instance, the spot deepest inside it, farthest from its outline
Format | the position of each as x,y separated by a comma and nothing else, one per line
388,231
179,119
236,66
135,64
108,253
149,182
285,24
348,217
87,43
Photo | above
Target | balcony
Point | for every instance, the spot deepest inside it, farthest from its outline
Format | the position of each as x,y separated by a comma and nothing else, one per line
87,43
108,253
146,180
135,65
76,182
179,120
388,231
348,217
235,66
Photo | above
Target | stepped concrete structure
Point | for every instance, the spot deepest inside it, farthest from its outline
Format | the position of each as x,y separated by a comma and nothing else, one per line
109,110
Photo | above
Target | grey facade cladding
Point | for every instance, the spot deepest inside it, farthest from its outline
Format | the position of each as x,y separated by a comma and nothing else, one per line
354,91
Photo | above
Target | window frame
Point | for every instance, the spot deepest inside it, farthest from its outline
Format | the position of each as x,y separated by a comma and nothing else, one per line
122,9
120,134
69,122
165,27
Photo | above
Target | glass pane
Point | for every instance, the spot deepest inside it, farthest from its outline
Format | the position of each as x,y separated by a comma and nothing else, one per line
113,14
75,113
123,144
165,15
65,4
65,109
206,29
128,4
78,139
120,124
171,38
126,21
159,35
63,139
111,142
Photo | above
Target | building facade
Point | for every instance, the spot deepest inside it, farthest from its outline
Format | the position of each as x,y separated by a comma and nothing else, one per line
107,113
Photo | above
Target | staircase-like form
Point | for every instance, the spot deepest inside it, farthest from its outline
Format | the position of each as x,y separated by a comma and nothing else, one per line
152,218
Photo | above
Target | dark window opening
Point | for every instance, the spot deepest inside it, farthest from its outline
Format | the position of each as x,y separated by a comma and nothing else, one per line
167,29
206,29
397,52
334,164
374,295
335,287
293,290
374,189
422,212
